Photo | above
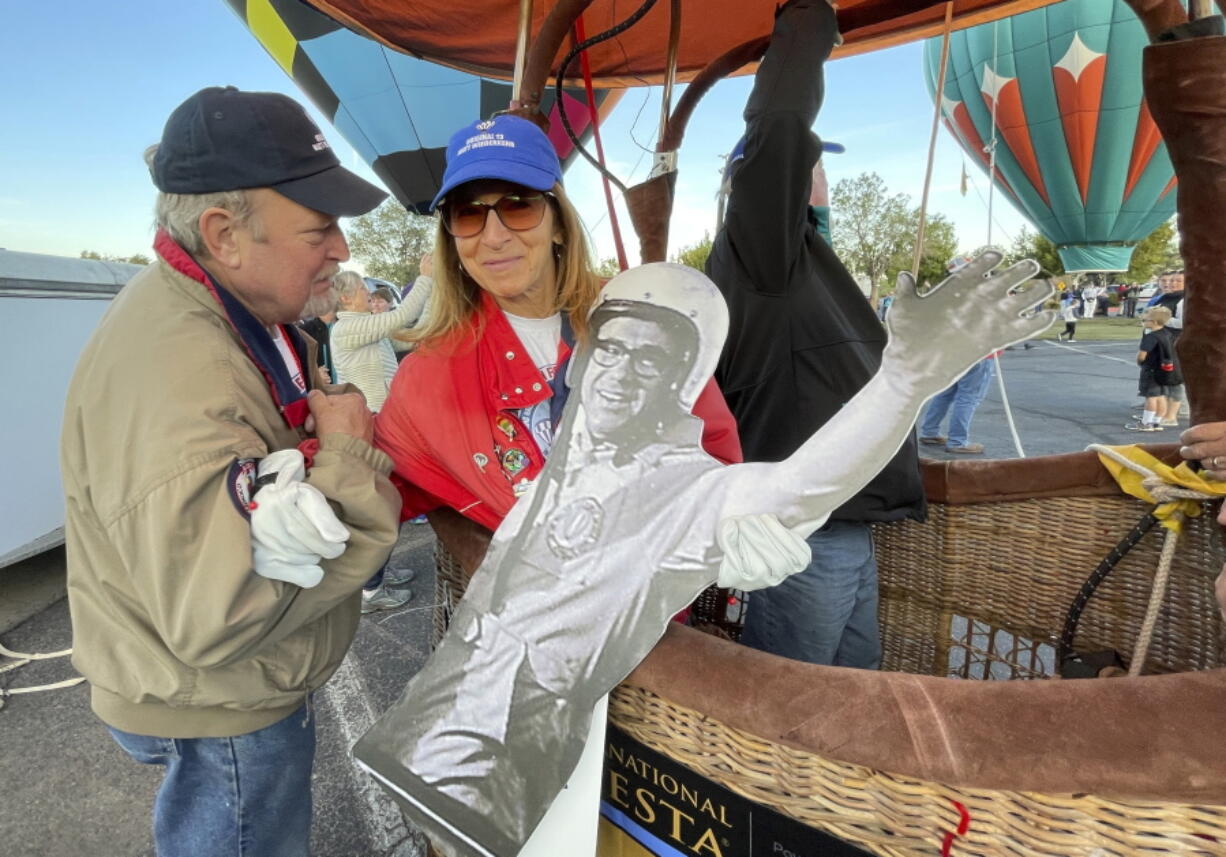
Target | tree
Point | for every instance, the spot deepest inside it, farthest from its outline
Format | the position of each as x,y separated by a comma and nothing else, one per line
695,255
608,268
134,259
940,245
1156,252
390,241
1032,245
869,226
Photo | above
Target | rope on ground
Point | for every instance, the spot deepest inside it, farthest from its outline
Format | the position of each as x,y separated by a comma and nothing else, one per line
27,657
21,659
1168,496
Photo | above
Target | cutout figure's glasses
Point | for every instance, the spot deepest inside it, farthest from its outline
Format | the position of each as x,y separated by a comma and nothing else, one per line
646,363
518,212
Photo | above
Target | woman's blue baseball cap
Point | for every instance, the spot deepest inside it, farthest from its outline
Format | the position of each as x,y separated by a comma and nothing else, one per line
505,147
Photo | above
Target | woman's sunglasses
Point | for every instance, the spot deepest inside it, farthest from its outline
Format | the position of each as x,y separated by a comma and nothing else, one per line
518,212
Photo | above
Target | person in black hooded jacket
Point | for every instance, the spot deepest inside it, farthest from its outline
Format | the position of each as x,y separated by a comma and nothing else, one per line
803,340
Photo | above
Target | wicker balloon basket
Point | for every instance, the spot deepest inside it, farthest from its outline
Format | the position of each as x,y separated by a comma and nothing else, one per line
979,591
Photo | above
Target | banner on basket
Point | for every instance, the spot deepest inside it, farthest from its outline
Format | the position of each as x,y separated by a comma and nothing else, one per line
652,806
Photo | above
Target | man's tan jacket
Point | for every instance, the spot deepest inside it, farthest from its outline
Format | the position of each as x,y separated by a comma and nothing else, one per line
176,633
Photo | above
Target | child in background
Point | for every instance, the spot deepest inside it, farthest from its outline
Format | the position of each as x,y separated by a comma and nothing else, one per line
1156,358
1068,315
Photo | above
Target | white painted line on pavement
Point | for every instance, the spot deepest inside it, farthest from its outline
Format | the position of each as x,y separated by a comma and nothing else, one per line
1081,350
345,695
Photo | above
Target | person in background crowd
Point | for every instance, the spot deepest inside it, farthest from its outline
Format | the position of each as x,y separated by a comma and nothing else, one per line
364,353
1068,314
381,300
365,357
960,400
1089,300
1159,369
318,328
198,662
803,340
424,279
1130,299
1170,295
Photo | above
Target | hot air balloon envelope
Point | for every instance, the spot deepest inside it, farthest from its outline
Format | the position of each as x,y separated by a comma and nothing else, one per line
479,35
1058,92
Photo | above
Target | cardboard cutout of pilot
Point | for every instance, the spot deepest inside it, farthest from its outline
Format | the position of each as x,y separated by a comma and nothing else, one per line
623,529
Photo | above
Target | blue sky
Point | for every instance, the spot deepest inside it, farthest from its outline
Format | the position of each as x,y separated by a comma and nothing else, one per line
88,85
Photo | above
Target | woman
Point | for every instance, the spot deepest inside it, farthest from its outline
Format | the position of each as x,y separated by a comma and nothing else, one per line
381,300
470,416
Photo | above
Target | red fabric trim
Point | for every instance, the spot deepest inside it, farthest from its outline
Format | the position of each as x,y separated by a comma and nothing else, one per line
964,824
309,448
720,438
295,413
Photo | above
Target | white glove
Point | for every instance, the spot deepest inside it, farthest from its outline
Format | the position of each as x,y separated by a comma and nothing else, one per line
935,337
292,525
759,552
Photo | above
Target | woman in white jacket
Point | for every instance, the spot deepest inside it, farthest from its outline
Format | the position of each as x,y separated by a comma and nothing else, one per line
363,349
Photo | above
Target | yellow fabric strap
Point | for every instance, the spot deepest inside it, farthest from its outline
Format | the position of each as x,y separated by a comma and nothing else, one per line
1132,481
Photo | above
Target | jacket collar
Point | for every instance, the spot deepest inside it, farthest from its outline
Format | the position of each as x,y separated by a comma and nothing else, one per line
515,382
257,341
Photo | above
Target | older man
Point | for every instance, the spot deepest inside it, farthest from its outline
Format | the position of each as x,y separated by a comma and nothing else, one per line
196,662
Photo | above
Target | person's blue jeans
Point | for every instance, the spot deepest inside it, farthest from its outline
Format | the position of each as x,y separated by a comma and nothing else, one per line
826,614
246,796
960,399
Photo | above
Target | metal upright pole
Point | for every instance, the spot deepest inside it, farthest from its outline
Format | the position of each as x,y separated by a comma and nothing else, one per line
932,143
666,162
521,50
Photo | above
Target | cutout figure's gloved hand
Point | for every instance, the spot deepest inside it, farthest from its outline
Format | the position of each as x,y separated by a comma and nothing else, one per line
759,552
936,336
292,525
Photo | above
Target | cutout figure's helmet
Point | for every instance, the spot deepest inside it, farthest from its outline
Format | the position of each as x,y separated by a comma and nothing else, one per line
663,290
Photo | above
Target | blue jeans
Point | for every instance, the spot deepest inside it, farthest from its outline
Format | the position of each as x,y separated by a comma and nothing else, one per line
246,796
826,614
964,395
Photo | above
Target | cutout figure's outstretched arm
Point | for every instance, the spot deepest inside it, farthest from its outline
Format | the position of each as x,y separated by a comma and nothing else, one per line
934,338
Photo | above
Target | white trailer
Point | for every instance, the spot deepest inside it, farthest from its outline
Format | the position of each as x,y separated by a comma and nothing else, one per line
49,306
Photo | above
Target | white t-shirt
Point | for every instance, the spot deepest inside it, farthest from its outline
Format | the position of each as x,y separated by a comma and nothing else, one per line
541,338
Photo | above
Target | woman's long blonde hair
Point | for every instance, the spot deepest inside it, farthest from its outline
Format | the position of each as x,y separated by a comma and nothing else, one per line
456,296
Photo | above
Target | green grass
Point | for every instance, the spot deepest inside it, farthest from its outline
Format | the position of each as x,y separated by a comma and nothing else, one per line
1101,330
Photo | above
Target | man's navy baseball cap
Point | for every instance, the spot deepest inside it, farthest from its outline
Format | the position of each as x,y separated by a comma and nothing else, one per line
505,147
223,139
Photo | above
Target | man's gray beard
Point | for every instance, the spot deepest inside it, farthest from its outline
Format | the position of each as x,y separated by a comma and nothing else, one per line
318,305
